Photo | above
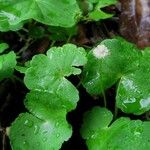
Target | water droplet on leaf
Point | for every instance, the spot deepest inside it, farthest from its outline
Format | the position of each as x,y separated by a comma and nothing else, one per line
36,129
93,136
57,124
57,135
28,123
44,139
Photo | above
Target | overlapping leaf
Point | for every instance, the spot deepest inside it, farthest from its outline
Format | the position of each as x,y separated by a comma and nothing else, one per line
117,59
97,13
133,95
14,13
47,73
107,63
123,134
49,100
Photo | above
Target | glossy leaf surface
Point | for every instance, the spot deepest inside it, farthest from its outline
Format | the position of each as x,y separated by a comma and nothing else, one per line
133,95
107,63
115,60
97,13
47,73
30,132
51,97
63,13
123,134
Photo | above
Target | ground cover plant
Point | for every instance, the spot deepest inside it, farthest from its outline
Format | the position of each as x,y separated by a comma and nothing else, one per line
71,77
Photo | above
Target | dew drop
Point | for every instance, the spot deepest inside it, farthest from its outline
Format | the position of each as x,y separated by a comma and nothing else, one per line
57,124
137,133
28,123
93,136
44,139
24,142
36,129
57,135
45,132
25,145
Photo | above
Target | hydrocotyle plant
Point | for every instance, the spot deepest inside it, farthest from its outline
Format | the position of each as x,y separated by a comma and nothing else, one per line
118,61
50,98
101,133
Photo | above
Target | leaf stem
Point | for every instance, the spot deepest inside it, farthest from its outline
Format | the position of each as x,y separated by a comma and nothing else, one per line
115,112
69,38
52,43
104,98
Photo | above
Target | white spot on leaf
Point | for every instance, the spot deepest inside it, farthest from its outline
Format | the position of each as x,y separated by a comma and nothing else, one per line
101,51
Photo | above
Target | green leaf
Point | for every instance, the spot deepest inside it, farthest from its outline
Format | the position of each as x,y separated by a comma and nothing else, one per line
7,64
37,32
133,94
29,132
97,13
94,120
107,63
23,69
51,97
47,73
61,34
3,47
123,134
64,13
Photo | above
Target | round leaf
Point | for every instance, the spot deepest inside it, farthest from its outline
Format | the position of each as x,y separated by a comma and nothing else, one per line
47,73
30,132
123,134
107,63
133,94
64,13
101,118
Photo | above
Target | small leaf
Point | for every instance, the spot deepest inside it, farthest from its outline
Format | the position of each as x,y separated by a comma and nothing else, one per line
94,120
97,13
3,47
7,64
123,134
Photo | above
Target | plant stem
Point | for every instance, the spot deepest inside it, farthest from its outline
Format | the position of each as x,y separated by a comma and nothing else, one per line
52,43
69,38
104,98
24,48
116,112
